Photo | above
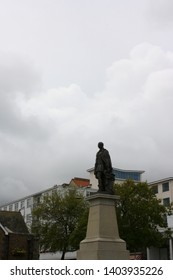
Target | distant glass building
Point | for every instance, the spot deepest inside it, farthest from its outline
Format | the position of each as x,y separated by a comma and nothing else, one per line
127,174
120,176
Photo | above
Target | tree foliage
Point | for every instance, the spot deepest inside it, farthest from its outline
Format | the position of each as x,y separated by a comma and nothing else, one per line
139,215
60,220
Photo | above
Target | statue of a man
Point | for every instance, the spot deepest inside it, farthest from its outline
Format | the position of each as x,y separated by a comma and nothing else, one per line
103,170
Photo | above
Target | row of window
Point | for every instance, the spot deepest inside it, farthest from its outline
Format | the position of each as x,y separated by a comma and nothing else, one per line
126,175
165,188
17,205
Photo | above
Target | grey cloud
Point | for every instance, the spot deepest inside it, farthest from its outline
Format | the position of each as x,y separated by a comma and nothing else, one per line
161,11
73,123
17,75
18,82
48,136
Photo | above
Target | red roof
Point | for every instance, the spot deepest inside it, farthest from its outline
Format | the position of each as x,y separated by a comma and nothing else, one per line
81,182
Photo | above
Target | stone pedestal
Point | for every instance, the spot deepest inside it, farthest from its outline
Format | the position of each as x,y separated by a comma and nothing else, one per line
102,240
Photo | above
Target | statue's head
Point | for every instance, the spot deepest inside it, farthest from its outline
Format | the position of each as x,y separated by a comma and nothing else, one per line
100,145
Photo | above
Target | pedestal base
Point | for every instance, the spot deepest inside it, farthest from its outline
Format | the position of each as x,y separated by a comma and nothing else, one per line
102,250
102,240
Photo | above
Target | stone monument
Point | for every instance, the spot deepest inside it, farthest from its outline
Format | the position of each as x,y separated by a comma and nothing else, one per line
102,240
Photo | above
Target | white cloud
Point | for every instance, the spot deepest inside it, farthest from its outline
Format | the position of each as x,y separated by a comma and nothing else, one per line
71,76
139,93
60,127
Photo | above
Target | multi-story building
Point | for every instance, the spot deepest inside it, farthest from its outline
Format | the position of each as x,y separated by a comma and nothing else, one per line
120,176
26,204
163,190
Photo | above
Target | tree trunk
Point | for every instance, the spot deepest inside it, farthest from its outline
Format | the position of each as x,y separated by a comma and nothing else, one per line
63,255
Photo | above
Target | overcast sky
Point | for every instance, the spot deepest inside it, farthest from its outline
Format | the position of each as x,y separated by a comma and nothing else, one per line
76,72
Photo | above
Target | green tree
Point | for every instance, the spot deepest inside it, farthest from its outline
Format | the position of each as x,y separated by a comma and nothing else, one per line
60,220
139,215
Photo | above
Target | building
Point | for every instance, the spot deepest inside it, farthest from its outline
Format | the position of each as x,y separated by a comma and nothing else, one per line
25,205
163,190
15,240
79,182
120,176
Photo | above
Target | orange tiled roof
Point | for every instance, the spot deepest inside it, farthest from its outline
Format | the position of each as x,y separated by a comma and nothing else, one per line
81,182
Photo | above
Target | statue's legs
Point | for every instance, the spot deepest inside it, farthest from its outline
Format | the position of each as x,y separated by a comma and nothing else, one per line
101,181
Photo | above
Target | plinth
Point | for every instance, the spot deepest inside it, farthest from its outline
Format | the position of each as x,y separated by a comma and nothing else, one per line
102,240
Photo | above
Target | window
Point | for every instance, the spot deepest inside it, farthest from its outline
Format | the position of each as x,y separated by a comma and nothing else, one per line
88,193
28,218
124,175
37,200
165,187
22,204
166,201
11,207
16,206
29,202
155,189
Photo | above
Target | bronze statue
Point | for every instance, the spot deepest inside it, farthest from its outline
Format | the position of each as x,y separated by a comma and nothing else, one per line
103,170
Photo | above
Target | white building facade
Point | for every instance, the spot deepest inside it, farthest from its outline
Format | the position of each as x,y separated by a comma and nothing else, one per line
26,204
163,190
